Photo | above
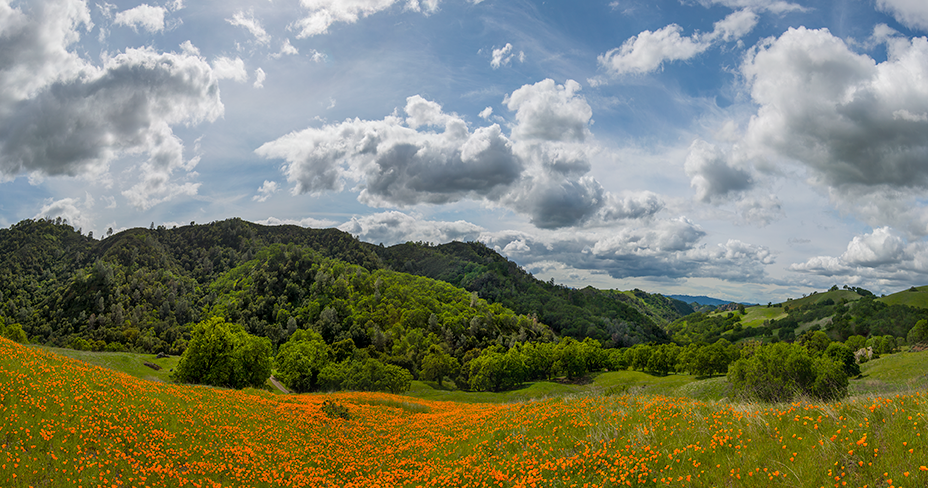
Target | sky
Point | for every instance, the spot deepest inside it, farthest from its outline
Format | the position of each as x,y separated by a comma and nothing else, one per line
747,150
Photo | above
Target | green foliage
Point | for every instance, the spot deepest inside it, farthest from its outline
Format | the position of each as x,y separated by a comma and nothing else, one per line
223,354
918,333
335,410
844,356
12,331
780,372
438,364
301,359
365,375
615,318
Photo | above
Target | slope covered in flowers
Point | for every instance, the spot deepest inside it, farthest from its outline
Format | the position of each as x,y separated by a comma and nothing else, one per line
65,423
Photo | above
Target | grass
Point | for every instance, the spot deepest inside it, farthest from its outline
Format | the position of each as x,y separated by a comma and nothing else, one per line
918,298
901,372
757,315
129,363
68,423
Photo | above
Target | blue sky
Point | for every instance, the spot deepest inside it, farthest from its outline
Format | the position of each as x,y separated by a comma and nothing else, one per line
743,149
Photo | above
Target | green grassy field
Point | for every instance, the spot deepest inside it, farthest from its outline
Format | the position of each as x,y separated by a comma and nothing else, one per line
892,373
917,298
757,315
129,363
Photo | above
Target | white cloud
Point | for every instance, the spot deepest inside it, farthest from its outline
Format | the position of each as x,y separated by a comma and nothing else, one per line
144,16
250,23
70,209
910,13
774,6
69,117
550,112
647,51
711,174
397,227
402,162
306,222
287,49
260,76
881,257
267,189
665,249
858,126
230,69
324,13
504,55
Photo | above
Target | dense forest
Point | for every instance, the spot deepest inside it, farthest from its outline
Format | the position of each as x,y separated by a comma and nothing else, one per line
339,313
141,289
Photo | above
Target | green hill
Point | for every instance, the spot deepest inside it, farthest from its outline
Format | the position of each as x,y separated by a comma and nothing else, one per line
913,297
616,318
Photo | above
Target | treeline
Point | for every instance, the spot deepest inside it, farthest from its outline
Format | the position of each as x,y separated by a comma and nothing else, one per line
141,289
616,319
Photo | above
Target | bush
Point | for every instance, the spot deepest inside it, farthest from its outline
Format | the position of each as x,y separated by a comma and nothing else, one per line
13,332
365,375
780,372
301,360
223,354
919,333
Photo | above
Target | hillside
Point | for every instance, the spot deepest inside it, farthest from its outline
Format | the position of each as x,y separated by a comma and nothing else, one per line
66,423
140,289
617,318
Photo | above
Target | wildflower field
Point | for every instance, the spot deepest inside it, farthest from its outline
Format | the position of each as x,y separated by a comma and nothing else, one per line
66,423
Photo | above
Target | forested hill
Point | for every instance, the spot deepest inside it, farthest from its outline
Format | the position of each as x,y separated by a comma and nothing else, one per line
142,288
617,318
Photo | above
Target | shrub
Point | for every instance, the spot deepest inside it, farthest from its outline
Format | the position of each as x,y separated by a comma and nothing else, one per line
13,332
223,354
782,371
301,360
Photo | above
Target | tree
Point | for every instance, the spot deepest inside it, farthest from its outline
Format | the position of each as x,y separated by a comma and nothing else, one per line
919,333
437,364
223,354
780,372
12,332
301,359
844,356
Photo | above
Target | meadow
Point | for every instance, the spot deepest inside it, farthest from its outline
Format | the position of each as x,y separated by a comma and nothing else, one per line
64,422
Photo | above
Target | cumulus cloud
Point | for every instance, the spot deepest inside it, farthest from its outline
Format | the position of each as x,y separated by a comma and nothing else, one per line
73,118
881,256
251,24
668,249
267,189
144,16
260,76
398,164
306,222
431,156
711,174
547,111
504,55
73,210
647,51
323,13
230,69
910,13
397,227
859,126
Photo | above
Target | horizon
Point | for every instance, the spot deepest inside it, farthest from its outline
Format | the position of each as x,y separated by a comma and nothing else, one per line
738,149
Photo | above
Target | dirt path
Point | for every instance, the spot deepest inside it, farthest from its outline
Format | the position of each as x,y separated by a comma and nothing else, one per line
278,385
